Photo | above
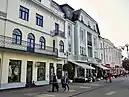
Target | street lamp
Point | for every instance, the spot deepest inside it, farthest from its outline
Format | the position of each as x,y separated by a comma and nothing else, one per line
127,46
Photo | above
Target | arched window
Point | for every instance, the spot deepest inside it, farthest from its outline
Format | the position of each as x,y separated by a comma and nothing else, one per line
30,42
42,42
61,44
17,36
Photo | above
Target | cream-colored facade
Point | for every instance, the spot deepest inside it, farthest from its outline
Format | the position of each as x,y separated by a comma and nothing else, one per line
9,22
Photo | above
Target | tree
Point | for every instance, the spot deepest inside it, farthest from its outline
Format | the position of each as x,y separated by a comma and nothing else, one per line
125,64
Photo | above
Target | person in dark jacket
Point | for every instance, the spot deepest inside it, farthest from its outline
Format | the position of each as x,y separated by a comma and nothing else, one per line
66,82
55,83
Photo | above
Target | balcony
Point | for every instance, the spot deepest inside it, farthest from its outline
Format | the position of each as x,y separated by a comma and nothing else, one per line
6,43
78,58
58,33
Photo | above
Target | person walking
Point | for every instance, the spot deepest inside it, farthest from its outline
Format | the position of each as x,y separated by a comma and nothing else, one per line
66,82
110,77
55,83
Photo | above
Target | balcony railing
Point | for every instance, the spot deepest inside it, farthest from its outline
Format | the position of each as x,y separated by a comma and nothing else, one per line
78,57
57,32
7,42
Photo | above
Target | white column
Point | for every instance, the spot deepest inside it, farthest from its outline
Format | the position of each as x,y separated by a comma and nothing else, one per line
23,71
5,69
34,72
75,71
85,72
47,71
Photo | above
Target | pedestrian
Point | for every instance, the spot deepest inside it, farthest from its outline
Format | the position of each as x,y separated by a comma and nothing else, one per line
66,82
63,82
55,83
105,77
110,77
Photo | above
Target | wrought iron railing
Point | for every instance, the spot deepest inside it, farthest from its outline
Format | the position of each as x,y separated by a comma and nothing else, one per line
9,43
57,32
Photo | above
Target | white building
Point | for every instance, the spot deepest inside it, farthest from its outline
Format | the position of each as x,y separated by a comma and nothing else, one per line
32,42
110,55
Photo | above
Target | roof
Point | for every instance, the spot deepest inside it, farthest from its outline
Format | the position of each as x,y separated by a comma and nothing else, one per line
67,6
56,6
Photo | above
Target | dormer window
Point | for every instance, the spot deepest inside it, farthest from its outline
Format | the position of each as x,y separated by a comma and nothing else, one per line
94,28
88,23
82,19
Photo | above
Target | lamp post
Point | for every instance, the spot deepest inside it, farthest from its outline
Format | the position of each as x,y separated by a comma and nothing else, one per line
127,46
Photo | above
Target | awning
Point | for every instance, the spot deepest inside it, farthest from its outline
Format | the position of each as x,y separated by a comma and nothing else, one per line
101,66
83,65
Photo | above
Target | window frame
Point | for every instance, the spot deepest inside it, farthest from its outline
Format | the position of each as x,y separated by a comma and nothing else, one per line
24,13
39,20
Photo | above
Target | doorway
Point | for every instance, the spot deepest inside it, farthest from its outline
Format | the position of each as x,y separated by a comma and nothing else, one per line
51,71
29,73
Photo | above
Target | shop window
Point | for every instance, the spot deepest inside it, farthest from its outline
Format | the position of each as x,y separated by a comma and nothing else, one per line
41,71
59,71
80,72
14,74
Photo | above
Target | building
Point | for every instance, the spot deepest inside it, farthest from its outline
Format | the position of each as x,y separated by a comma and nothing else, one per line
32,42
40,36
111,56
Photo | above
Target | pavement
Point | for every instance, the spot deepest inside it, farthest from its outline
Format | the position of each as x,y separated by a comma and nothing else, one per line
95,89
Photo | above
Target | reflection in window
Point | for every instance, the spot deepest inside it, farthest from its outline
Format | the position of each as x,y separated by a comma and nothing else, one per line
59,71
14,73
41,71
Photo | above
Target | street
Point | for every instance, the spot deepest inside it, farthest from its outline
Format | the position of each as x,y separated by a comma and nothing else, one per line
119,88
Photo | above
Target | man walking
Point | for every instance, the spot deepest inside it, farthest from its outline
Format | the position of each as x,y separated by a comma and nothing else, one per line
55,83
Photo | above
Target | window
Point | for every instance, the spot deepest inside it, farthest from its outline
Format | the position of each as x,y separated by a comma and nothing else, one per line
39,20
24,13
17,36
61,44
95,41
89,39
101,46
69,30
80,72
82,19
30,42
101,56
69,47
42,42
41,71
94,27
54,45
95,54
89,51
14,74
81,34
56,27
59,71
89,23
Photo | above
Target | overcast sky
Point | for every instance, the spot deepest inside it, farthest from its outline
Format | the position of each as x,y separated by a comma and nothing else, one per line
111,15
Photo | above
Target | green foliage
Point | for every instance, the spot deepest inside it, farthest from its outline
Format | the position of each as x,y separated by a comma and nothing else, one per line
125,63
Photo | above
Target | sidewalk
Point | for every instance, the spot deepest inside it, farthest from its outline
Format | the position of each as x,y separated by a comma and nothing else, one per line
45,91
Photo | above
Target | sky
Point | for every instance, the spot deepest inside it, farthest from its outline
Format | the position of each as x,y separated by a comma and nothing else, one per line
111,15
